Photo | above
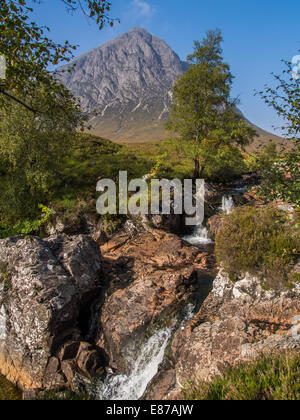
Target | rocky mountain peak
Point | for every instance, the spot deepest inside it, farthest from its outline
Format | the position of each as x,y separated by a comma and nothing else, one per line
128,81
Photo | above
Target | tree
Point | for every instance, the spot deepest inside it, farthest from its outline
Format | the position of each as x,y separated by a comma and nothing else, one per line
203,114
39,116
282,180
32,150
28,51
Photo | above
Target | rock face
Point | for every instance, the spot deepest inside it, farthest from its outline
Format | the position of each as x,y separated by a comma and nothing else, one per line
45,288
237,322
152,276
129,80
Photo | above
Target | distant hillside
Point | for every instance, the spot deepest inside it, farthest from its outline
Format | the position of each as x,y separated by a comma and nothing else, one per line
129,81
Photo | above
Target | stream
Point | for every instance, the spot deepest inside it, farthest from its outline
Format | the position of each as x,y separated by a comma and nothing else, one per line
145,366
200,236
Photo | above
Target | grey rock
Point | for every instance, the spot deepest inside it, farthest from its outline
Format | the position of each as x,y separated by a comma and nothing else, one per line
44,285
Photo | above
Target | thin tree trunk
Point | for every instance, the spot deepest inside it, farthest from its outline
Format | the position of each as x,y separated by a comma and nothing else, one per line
197,169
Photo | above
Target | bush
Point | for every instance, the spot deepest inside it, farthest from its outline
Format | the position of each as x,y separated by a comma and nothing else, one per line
262,160
268,378
27,226
261,241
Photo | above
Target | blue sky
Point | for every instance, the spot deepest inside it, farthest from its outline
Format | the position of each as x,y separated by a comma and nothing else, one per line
257,35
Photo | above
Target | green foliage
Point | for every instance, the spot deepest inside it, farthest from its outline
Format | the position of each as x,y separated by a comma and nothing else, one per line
272,377
39,116
263,159
32,150
261,241
203,115
29,52
27,226
282,180
159,166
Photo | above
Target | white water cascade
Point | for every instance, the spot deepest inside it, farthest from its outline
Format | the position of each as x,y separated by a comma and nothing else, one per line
227,204
145,367
199,236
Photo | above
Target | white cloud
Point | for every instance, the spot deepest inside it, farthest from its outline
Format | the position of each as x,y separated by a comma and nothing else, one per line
142,8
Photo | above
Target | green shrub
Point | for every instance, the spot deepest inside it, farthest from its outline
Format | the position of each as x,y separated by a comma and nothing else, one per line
260,241
27,227
263,159
268,378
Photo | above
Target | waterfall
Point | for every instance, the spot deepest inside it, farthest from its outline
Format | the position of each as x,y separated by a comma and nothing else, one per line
199,236
145,364
145,367
227,204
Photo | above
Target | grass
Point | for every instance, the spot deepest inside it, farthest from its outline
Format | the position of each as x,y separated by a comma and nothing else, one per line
261,241
62,395
268,378
8,391
95,158
74,189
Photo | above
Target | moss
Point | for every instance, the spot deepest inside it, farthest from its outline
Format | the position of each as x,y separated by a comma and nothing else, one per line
261,241
8,391
273,377
62,395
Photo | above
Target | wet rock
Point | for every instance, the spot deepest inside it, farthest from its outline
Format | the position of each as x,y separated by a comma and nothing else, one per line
44,285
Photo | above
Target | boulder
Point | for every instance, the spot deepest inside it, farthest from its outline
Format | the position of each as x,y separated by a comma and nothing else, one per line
45,287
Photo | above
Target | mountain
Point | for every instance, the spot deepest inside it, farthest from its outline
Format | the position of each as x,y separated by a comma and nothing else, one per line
128,81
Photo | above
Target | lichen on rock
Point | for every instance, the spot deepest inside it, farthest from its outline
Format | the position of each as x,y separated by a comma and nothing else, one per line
50,280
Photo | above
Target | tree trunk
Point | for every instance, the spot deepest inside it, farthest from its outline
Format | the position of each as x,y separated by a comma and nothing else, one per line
202,171
197,169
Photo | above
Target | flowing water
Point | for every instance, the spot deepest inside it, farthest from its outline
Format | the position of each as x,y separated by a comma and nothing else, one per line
227,205
145,366
199,236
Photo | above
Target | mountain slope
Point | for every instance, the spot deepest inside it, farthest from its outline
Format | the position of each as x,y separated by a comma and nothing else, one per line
128,82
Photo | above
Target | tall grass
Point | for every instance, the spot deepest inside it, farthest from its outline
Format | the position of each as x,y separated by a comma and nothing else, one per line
274,377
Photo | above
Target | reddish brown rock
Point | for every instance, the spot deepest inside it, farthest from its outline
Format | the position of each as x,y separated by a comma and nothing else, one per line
151,277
